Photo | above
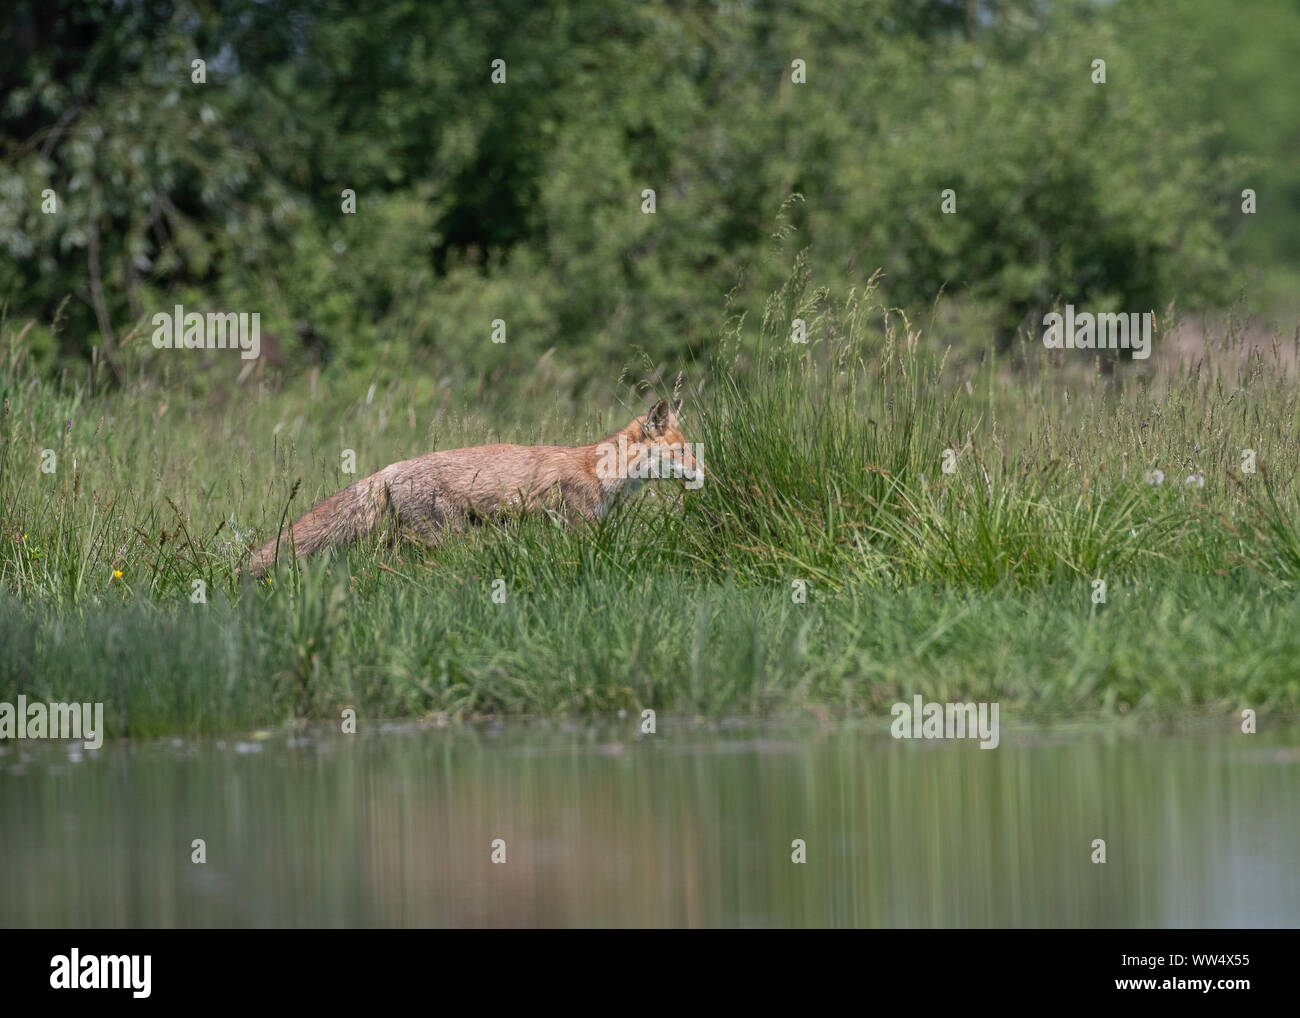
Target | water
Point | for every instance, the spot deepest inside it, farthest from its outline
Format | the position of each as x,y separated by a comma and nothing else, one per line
689,827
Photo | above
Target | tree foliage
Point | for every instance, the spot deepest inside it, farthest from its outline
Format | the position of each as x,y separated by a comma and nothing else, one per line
523,200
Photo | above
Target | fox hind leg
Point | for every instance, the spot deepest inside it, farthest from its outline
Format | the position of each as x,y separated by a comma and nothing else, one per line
419,528
423,522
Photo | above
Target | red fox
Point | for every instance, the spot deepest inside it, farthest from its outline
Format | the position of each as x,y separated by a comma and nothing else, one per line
447,490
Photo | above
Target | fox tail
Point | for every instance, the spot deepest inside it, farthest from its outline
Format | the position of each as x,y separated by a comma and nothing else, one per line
346,515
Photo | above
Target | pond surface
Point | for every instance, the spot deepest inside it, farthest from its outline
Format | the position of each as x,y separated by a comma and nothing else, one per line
692,826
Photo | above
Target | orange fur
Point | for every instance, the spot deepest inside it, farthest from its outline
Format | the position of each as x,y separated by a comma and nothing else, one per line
447,490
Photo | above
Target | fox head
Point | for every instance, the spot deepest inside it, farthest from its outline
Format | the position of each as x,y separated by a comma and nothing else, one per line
666,445
650,447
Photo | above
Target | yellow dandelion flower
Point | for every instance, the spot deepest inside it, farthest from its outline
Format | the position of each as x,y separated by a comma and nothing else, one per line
117,574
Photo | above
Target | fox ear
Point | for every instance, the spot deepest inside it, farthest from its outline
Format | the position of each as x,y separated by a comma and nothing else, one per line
659,419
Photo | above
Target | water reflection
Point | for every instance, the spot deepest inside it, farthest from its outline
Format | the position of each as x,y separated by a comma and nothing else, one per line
692,826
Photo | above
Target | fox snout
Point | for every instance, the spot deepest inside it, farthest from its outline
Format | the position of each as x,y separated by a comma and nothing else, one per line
681,462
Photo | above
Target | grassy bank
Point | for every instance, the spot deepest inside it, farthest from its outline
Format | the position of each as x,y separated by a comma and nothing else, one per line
599,645
827,476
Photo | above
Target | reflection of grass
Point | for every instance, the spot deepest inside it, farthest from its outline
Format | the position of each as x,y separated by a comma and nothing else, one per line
692,825
826,467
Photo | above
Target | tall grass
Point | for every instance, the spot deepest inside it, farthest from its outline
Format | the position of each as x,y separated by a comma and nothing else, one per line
827,478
